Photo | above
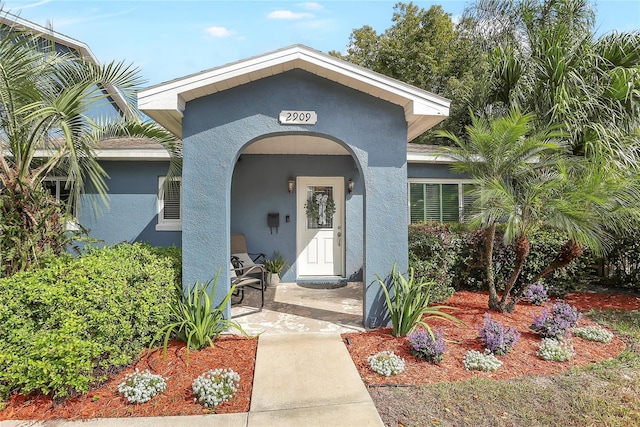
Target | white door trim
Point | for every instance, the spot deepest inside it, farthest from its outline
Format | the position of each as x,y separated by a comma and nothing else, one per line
302,233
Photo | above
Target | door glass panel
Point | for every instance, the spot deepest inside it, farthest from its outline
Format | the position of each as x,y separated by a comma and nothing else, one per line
319,207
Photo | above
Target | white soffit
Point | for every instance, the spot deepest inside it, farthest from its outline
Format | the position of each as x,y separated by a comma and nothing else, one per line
165,102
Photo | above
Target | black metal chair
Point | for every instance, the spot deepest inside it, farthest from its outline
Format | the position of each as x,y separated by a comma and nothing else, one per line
247,277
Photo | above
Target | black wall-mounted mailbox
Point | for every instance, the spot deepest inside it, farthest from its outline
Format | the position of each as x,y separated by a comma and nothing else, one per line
273,220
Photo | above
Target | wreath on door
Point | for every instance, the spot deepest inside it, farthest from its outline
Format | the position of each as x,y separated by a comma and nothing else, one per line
320,208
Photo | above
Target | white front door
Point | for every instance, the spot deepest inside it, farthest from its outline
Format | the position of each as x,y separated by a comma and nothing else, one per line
320,226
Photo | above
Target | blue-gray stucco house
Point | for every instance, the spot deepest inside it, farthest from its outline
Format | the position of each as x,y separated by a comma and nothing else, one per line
290,135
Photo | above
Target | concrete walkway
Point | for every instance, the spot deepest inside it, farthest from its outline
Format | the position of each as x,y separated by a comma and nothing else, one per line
308,380
304,379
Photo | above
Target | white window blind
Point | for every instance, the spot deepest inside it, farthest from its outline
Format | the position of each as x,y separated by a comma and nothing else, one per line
169,204
438,201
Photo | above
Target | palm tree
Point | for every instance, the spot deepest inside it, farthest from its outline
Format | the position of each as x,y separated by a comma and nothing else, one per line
526,180
46,99
503,157
546,60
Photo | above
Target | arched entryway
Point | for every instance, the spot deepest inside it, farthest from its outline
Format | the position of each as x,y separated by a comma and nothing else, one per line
275,179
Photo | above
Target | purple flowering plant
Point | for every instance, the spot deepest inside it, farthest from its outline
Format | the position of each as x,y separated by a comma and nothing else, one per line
556,324
536,293
498,339
427,346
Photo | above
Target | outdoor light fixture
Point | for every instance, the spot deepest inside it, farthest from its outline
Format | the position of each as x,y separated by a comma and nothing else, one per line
350,186
290,185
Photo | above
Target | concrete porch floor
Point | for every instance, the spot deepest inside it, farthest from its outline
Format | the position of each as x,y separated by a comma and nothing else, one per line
290,308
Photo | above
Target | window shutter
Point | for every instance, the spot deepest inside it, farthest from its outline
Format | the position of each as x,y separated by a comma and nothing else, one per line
171,209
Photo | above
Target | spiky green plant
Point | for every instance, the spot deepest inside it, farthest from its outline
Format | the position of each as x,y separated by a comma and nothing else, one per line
195,320
407,301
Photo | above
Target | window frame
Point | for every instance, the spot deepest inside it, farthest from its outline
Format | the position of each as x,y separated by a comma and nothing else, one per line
163,223
60,182
458,181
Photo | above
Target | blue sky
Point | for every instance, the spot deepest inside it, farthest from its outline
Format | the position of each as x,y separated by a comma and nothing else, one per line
170,39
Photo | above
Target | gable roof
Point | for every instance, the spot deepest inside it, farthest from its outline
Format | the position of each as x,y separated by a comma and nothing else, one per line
20,24
165,102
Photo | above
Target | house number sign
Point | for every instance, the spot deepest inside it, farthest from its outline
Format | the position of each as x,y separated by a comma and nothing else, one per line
295,117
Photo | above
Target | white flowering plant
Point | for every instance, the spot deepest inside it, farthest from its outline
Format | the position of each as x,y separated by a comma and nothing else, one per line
593,333
140,387
215,386
556,350
476,361
386,363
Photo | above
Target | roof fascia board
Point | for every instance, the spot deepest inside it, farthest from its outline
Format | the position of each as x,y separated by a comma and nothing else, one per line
300,57
428,158
161,154
167,101
114,154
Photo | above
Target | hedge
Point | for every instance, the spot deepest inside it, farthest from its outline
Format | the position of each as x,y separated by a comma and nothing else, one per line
454,257
65,326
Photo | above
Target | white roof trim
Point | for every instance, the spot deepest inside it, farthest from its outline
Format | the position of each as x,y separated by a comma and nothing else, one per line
80,47
165,102
159,154
127,154
133,154
428,158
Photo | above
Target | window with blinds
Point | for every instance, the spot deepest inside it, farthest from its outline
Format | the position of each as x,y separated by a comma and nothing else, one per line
438,201
57,187
169,204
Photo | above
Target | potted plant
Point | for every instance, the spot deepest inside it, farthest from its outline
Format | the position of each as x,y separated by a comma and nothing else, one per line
274,267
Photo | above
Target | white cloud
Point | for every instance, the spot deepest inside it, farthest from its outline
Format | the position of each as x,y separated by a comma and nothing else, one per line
219,32
289,15
25,6
310,5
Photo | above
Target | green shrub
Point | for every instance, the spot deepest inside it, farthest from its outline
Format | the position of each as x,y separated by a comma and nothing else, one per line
623,262
174,255
65,326
433,252
454,257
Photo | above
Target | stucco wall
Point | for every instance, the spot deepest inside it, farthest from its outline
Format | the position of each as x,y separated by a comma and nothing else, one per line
217,127
132,212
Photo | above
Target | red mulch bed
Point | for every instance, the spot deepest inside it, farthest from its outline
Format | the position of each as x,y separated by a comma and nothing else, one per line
239,355
589,300
521,361
105,402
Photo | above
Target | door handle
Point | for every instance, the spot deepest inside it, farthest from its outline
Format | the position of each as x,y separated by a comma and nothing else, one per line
339,237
